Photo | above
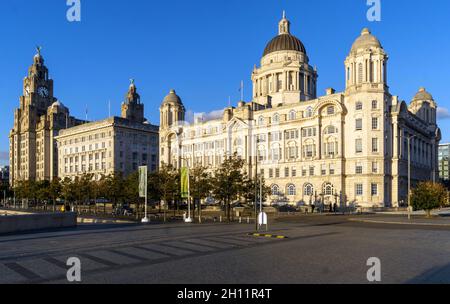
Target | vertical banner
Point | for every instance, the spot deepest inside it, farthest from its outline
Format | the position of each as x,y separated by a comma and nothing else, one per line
184,183
142,181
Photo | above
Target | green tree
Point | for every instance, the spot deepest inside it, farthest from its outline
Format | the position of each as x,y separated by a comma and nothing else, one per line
42,192
84,187
114,188
68,191
163,186
200,186
26,191
251,190
55,191
132,191
5,190
228,182
428,196
101,191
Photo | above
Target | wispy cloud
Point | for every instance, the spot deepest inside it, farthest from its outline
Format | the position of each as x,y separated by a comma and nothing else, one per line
191,116
443,113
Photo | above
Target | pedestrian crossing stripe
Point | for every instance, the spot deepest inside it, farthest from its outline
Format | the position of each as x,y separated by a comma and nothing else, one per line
268,236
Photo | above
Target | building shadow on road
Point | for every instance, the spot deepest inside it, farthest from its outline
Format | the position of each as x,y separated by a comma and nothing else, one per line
436,275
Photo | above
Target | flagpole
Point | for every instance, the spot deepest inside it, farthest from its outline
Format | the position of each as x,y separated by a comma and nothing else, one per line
189,219
242,90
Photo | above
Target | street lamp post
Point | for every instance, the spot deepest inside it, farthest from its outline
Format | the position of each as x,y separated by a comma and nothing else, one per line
256,184
180,164
409,176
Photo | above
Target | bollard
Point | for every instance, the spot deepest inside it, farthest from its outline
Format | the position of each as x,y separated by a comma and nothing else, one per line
221,219
248,220
240,220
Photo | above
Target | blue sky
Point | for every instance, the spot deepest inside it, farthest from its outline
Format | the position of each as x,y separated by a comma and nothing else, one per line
204,48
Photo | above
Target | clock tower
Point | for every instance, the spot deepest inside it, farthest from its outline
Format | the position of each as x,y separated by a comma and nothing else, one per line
37,87
37,121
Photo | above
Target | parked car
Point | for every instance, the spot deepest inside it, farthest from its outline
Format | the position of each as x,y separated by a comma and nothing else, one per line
286,208
123,210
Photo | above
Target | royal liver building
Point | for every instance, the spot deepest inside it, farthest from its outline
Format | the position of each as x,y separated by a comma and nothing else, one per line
349,146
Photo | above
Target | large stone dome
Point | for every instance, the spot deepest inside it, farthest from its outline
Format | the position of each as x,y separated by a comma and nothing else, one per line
366,41
284,42
172,98
423,95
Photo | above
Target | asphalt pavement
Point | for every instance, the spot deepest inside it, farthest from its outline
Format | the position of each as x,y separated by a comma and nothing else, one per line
317,249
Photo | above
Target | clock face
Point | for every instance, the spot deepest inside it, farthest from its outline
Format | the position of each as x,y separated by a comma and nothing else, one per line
43,92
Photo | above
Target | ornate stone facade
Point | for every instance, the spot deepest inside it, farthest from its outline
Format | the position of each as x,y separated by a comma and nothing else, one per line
113,145
37,121
349,146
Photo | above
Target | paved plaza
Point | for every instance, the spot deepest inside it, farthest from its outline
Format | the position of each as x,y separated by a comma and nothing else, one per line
319,249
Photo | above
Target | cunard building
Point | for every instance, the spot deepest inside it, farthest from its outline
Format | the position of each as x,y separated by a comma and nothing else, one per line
349,146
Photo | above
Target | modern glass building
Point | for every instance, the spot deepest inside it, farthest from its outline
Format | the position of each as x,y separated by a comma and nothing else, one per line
444,160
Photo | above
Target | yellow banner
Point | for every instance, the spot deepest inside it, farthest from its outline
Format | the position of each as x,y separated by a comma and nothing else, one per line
184,183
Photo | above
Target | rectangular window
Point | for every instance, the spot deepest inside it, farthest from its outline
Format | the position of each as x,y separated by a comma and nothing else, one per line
286,172
330,149
374,123
358,146
309,151
332,171
375,145
270,173
359,124
375,167
292,152
311,171
294,172
374,190
374,104
330,110
277,173
359,190
359,169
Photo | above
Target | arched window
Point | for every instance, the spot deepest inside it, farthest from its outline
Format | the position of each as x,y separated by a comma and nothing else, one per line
328,189
309,112
291,190
292,115
276,152
308,190
275,190
330,147
261,153
261,121
276,119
